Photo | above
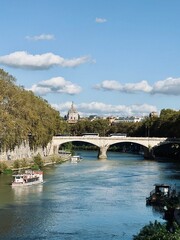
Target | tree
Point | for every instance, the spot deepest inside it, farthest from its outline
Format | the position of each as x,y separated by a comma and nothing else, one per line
24,116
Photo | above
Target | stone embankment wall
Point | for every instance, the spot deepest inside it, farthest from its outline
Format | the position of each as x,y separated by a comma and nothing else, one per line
24,152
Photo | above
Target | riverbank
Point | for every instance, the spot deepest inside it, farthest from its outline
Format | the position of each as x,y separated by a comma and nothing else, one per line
36,162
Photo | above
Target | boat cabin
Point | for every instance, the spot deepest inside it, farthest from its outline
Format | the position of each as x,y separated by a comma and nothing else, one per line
18,178
162,189
75,158
160,194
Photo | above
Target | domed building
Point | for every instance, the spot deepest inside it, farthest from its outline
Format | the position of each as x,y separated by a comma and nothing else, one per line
73,115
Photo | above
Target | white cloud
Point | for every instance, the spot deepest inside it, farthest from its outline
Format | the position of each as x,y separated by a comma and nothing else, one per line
102,109
55,85
23,59
169,86
41,37
142,86
100,20
109,85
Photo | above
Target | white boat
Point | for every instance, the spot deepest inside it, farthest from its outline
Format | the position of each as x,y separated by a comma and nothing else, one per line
75,158
28,178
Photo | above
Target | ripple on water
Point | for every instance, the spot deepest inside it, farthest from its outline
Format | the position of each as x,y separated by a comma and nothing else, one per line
99,200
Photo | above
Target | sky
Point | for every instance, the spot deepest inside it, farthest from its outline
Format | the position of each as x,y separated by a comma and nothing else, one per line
109,57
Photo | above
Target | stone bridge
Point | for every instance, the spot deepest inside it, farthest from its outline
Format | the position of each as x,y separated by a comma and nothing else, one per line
103,143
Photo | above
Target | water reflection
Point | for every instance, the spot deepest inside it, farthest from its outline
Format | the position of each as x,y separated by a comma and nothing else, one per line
27,193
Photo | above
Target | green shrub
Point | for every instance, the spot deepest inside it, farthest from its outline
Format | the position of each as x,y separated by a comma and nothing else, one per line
56,159
38,161
8,171
157,231
24,163
3,167
35,167
17,164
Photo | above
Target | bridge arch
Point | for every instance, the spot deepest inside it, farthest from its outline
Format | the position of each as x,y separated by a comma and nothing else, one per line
76,143
55,144
129,141
128,144
85,141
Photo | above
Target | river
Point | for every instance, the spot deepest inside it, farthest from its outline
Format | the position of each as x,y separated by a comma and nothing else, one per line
94,199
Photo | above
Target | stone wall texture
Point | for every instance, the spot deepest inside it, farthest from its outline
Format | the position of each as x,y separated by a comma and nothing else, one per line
24,152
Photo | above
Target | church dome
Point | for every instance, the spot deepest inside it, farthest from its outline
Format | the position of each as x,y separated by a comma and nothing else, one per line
72,109
72,116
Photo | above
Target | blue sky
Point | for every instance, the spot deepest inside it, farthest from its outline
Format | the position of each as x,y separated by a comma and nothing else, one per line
110,57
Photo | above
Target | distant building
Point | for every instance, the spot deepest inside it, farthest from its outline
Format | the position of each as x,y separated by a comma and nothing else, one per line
93,117
72,115
127,119
153,114
111,119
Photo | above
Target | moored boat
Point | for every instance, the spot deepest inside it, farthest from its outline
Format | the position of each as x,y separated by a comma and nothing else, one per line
30,177
162,195
75,158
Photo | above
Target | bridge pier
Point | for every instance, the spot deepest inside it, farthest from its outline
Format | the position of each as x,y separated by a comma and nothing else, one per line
148,153
103,152
55,150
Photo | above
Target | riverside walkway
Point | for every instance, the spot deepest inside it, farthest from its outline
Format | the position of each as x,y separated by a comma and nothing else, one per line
103,143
